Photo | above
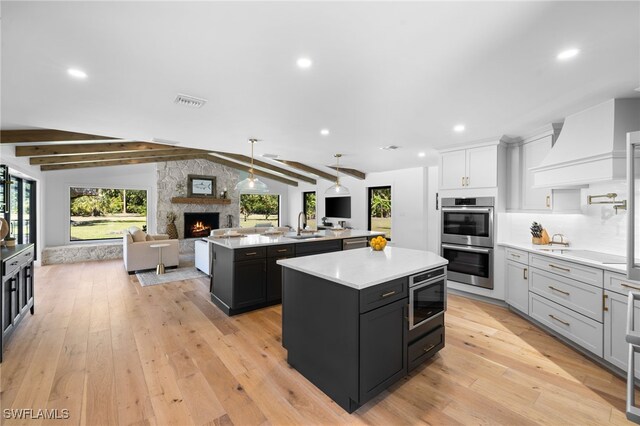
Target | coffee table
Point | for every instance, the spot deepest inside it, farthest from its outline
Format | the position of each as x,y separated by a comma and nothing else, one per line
160,267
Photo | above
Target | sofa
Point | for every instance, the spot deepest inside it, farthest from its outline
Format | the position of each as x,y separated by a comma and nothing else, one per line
138,254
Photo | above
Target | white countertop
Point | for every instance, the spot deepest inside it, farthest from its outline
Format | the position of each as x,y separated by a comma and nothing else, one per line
364,267
566,255
257,240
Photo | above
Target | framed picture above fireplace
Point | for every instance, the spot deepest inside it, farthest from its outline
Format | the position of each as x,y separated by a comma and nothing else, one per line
201,186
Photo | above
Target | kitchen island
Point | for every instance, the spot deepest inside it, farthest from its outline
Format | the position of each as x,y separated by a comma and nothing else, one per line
356,322
244,270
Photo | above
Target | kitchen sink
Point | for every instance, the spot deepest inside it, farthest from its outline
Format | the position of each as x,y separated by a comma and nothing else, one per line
303,236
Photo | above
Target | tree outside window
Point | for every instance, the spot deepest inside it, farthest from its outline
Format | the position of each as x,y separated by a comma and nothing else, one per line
258,209
309,208
380,210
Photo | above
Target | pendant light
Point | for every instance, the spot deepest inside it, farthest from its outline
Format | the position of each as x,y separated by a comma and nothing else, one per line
252,185
336,188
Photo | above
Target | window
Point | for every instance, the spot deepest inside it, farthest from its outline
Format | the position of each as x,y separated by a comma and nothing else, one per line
309,208
21,212
380,210
104,213
259,210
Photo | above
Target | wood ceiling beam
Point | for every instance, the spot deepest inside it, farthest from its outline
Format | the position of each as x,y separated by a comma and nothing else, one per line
245,168
308,169
79,158
90,148
46,135
351,172
50,167
266,165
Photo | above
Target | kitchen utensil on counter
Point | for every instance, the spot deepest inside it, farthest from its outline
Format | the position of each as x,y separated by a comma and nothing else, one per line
539,234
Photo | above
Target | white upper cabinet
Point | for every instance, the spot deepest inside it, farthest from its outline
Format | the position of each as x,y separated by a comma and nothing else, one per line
469,168
532,155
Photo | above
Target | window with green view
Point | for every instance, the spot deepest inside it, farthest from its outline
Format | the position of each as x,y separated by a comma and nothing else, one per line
105,213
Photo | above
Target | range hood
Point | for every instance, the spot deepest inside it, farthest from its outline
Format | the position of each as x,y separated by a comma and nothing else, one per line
591,146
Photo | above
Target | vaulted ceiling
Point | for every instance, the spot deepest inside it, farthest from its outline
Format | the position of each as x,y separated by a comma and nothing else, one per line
382,74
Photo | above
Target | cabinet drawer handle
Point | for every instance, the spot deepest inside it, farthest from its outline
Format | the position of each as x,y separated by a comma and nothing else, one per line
604,302
558,267
630,286
525,275
515,255
429,348
559,320
253,253
559,291
14,263
282,250
391,293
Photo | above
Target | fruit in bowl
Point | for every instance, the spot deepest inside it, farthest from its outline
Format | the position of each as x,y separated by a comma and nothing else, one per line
378,243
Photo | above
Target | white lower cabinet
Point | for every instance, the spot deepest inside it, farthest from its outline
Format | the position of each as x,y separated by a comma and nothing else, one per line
574,326
616,349
518,286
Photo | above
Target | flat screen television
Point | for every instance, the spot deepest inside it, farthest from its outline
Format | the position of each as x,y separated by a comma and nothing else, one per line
338,207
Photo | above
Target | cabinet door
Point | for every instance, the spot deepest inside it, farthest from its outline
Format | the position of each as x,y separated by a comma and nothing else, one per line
21,285
616,349
249,282
518,286
274,279
532,155
452,169
8,307
482,167
383,348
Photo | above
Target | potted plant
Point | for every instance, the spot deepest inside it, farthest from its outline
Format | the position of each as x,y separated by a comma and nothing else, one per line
10,241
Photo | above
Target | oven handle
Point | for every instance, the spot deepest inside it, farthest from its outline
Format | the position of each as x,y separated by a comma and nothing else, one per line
462,248
468,209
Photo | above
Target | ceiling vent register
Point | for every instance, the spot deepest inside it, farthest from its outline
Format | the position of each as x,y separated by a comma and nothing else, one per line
189,101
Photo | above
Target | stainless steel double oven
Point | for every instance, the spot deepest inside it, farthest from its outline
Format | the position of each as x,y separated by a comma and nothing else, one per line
467,239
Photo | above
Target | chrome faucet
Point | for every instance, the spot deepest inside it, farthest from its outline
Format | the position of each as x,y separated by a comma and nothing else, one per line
305,221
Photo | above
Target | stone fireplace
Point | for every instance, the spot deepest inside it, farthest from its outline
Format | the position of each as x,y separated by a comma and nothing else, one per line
200,224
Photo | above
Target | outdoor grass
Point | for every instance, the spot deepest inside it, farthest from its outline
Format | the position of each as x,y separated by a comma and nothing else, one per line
381,224
253,219
103,227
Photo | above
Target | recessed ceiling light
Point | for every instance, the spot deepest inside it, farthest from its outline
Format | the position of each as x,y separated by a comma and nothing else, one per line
567,54
324,132
304,62
189,101
458,128
269,155
389,147
74,72
421,154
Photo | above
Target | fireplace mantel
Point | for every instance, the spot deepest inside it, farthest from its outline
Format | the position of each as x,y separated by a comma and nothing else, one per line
200,200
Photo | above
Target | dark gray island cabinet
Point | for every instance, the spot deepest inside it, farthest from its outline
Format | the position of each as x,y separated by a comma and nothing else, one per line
17,295
347,318
245,274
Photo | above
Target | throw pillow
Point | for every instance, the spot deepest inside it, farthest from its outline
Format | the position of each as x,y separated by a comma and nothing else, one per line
132,230
150,237
139,236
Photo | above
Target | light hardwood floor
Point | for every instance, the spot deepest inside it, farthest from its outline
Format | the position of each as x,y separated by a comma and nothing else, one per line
113,352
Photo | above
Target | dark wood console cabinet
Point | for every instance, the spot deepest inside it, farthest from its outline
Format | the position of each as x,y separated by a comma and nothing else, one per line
17,296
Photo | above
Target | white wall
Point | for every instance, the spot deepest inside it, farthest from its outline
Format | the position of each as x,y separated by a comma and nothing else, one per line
408,203
56,201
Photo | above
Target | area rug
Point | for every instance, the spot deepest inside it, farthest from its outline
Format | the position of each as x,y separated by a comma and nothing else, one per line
170,275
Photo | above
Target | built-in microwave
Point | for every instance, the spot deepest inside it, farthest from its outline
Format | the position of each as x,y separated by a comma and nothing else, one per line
468,221
427,296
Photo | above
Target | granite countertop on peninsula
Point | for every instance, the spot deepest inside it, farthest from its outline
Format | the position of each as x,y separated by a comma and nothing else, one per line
364,267
257,240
